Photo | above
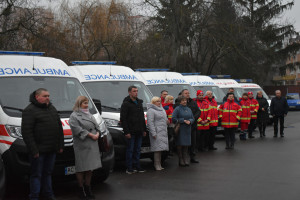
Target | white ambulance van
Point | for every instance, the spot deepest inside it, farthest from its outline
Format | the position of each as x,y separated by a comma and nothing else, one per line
21,73
109,83
205,83
225,84
161,79
248,86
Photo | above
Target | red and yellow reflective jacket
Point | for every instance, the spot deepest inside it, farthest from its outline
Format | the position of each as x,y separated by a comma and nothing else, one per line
169,110
205,113
254,106
246,115
214,115
230,113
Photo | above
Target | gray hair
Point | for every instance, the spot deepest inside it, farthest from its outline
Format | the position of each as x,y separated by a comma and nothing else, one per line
208,91
40,90
277,91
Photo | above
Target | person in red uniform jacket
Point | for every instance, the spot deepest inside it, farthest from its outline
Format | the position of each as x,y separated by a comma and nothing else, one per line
230,114
168,106
213,119
246,116
254,106
163,95
202,122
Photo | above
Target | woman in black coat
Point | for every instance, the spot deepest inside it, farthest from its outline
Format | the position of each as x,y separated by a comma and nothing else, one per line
262,115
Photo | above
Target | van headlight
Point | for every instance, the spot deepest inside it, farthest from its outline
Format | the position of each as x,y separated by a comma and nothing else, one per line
111,122
103,128
14,131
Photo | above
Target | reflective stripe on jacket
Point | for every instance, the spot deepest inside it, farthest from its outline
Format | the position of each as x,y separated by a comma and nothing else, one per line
214,115
205,114
230,114
254,106
246,115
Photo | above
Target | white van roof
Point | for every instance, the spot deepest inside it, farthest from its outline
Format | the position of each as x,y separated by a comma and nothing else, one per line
227,83
20,65
91,73
199,80
249,85
157,78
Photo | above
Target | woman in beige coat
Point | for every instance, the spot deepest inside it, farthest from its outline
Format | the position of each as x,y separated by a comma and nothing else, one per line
85,136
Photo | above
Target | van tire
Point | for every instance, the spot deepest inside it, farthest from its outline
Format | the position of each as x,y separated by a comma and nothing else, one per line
2,179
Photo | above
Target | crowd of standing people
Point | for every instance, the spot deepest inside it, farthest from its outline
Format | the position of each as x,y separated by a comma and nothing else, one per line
193,123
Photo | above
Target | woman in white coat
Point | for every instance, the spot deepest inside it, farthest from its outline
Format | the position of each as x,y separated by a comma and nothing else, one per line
85,136
157,122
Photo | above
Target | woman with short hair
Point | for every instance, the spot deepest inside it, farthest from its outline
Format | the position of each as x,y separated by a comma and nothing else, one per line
184,116
85,131
157,122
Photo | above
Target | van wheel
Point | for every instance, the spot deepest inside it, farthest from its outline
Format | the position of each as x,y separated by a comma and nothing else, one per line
99,176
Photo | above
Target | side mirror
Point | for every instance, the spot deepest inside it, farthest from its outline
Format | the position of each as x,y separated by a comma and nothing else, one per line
98,105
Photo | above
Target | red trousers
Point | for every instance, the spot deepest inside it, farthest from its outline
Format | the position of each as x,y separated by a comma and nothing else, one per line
244,125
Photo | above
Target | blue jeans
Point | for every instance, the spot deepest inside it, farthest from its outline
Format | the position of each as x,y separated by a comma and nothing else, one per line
40,177
133,151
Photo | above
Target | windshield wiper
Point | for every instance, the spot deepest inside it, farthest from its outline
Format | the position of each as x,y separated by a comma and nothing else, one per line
109,107
13,108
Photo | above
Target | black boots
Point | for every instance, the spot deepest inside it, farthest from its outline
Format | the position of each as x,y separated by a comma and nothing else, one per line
82,194
86,193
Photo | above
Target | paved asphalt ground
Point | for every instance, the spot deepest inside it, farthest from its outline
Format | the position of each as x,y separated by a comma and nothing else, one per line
267,169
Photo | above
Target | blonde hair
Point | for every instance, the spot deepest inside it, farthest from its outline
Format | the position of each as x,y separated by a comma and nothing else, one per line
79,101
168,97
154,99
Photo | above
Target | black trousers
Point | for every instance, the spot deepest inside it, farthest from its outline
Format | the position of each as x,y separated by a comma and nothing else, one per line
211,136
193,142
229,136
203,139
251,127
276,119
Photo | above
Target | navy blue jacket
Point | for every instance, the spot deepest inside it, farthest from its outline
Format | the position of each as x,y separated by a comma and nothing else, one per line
279,106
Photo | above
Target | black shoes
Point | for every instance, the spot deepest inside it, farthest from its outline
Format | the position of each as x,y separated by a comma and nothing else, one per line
251,137
193,160
275,136
281,135
213,148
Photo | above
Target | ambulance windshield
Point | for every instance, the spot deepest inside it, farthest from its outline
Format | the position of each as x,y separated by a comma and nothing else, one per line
112,93
15,92
173,89
217,92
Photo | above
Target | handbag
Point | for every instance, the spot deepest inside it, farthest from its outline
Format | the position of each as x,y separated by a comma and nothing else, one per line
177,128
103,144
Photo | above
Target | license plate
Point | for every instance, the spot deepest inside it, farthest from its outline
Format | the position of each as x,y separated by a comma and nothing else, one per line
70,170
292,106
145,149
219,128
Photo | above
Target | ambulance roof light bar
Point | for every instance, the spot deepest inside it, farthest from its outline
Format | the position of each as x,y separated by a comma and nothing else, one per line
244,80
94,62
27,53
151,70
220,76
192,73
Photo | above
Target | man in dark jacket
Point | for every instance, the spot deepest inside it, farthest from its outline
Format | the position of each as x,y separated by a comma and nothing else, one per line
134,127
43,135
279,109
262,114
196,112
